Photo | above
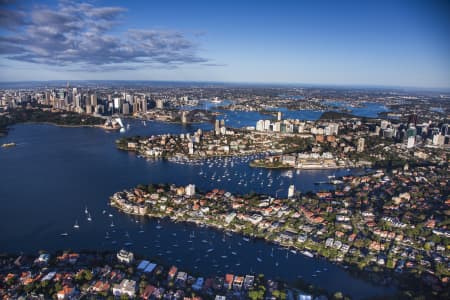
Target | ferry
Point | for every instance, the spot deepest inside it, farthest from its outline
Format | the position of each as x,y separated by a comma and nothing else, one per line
7,145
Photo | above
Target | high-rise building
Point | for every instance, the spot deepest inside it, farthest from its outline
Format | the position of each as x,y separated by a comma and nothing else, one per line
217,127
279,116
190,190
159,104
260,125
191,148
94,100
411,142
291,191
438,140
361,145
126,109
184,115
144,105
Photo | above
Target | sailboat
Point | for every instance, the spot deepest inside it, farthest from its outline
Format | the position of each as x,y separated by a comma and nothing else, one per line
76,226
158,226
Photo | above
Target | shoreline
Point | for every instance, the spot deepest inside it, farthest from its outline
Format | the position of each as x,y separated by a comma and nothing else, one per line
255,165
352,269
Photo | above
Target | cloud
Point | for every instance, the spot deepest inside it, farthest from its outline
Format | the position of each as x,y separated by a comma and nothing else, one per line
80,34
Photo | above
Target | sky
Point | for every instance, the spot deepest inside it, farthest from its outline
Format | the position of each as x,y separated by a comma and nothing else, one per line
404,43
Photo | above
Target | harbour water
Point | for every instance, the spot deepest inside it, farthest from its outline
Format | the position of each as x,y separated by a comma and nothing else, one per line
54,174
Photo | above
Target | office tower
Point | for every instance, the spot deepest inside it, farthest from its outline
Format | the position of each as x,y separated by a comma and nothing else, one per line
361,145
159,104
94,100
126,109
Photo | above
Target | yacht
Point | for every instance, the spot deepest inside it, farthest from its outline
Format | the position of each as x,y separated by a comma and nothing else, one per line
308,254
89,218
64,234
76,226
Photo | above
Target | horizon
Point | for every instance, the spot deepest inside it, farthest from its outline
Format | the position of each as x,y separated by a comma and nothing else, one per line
376,44
190,83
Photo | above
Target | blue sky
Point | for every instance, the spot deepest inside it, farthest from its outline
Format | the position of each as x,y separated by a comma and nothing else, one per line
376,43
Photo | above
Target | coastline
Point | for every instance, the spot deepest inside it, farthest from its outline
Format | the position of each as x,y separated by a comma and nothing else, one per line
367,276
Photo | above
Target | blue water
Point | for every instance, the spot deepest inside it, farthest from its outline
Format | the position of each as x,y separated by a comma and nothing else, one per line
369,109
54,173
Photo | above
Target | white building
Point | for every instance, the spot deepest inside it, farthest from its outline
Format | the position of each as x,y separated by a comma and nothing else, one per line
411,142
125,256
260,125
126,287
190,190
291,191
438,140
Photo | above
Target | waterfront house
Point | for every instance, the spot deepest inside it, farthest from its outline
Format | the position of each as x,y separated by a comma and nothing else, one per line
125,256
172,272
228,281
126,287
148,291
248,281
238,281
198,284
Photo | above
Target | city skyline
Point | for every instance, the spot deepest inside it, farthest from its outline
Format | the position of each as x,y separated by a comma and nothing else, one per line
401,44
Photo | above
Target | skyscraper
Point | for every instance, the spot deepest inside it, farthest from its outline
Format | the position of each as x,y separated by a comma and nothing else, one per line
217,127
